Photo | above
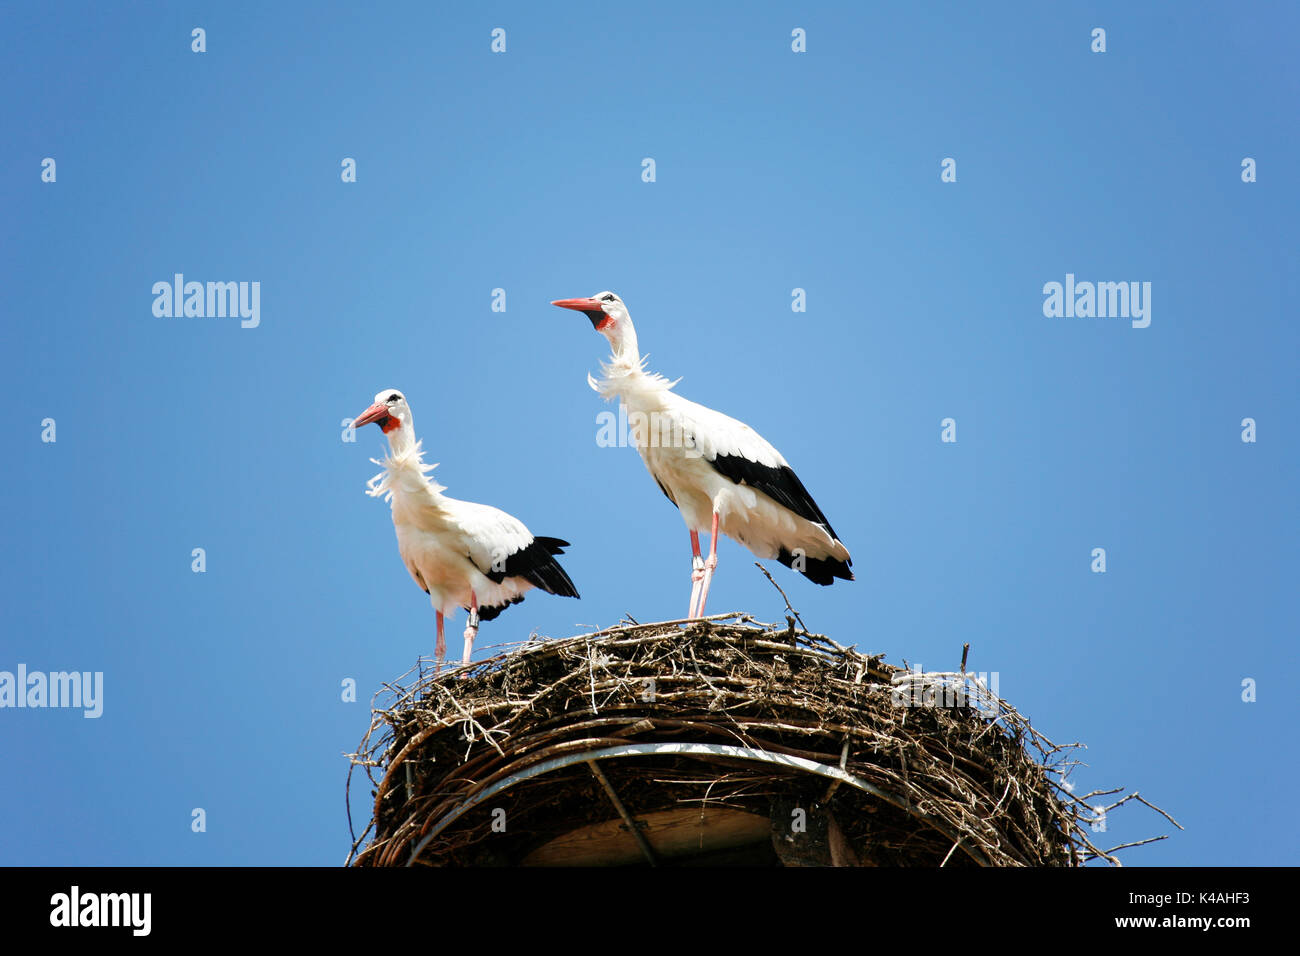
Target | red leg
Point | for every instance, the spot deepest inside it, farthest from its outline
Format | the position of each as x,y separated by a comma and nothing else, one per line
471,628
697,574
440,650
709,565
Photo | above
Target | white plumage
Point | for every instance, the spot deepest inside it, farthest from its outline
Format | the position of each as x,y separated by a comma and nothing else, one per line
463,554
712,466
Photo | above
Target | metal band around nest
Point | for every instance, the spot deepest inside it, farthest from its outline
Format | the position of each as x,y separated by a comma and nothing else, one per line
688,749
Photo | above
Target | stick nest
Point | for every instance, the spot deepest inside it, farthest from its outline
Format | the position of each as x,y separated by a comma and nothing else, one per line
953,775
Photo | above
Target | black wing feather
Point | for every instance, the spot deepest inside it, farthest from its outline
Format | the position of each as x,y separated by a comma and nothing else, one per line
779,483
536,565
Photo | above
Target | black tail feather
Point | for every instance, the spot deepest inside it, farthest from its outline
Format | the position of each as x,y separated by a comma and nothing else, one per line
488,613
821,571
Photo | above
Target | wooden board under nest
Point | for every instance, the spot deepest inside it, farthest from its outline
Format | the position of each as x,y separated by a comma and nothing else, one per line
708,742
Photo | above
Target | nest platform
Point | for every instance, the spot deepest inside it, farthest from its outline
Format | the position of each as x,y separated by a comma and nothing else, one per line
710,742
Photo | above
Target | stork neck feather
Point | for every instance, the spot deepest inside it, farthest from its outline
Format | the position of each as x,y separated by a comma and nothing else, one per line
630,382
405,472
401,439
624,376
623,344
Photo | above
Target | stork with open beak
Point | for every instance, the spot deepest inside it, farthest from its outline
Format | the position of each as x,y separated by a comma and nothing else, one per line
462,554
718,471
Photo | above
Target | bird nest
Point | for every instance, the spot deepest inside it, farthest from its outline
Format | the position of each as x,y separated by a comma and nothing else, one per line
714,741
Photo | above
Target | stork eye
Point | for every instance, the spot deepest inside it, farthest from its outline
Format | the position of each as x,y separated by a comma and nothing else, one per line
394,397
606,298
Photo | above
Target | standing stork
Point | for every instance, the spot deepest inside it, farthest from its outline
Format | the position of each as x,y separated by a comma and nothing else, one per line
719,472
462,554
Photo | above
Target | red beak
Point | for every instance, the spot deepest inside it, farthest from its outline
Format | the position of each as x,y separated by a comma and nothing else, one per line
579,305
371,414
591,308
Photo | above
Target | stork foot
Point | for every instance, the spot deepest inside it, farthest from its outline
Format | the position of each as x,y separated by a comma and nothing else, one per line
709,564
697,579
471,631
707,579
440,648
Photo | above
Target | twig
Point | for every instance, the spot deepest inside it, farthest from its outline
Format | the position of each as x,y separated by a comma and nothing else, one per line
1139,799
1125,846
767,574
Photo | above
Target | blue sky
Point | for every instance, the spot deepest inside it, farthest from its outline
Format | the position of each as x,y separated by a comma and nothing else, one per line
775,170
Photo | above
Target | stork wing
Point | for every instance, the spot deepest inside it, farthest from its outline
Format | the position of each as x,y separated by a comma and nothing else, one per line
742,455
502,547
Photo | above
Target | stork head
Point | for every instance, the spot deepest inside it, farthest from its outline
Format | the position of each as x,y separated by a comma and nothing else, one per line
610,318
391,413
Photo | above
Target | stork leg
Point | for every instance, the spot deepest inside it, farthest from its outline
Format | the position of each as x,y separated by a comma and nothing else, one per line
697,574
440,649
471,628
709,565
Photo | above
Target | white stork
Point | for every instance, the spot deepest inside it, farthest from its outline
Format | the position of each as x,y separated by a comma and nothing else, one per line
719,472
462,554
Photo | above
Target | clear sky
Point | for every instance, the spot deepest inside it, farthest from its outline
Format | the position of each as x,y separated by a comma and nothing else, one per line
523,171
